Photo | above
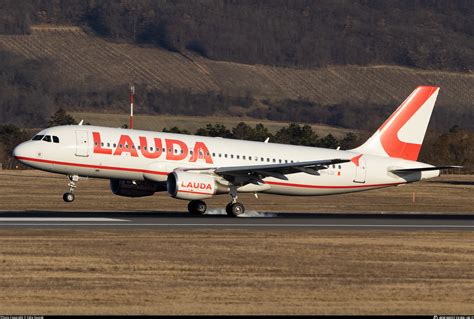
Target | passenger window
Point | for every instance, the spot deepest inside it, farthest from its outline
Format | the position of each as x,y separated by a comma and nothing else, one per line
238,157
191,152
47,138
213,154
261,159
115,145
101,144
55,139
138,147
243,156
225,155
286,161
231,155
220,155
274,160
339,166
151,149
268,160
108,144
250,158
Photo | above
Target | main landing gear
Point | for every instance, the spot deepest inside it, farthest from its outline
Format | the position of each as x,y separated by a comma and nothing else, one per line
197,207
69,196
233,209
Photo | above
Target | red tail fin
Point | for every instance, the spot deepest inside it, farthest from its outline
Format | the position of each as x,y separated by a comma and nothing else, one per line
402,134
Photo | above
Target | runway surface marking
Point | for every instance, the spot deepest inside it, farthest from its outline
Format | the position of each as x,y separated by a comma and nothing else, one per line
176,220
248,225
64,219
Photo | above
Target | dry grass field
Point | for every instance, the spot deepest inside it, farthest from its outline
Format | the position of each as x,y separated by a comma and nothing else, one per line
235,271
192,123
238,272
35,190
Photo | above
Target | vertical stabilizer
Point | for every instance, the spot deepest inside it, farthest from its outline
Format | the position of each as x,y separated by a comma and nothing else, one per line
402,134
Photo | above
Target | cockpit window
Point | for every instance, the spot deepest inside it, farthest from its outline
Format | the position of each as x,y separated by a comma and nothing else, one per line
37,137
47,138
55,139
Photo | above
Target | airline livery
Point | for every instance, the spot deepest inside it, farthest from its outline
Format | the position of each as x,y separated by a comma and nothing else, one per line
140,163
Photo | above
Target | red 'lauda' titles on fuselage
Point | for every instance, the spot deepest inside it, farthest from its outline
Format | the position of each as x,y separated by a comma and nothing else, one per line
182,150
126,145
146,150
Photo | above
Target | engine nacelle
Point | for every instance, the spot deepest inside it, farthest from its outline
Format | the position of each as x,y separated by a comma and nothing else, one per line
190,186
133,188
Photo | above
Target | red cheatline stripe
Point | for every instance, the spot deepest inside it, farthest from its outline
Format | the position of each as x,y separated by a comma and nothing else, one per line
193,192
165,173
324,186
91,166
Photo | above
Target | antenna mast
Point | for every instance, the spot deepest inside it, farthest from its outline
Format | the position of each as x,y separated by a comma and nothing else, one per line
132,100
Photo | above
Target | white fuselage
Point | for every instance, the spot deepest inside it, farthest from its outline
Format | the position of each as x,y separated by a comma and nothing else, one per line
116,153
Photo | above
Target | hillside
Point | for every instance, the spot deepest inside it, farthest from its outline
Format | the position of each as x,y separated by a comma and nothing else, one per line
299,33
86,63
81,57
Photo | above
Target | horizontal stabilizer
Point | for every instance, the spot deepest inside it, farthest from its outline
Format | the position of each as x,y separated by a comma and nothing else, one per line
421,169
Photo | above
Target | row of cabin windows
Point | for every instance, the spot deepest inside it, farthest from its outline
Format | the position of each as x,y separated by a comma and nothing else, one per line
151,149
46,138
176,151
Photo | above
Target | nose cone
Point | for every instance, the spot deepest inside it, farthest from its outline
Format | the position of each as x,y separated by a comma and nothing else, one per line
20,151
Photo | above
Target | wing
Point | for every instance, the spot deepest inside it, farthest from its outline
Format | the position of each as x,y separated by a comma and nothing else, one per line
241,175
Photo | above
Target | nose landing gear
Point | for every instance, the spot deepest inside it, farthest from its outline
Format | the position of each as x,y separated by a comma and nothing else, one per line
69,196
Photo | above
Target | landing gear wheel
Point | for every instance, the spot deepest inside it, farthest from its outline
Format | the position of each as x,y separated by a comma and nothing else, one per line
197,207
228,209
68,197
235,209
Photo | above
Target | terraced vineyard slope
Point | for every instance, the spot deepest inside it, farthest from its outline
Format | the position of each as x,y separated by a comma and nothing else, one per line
84,59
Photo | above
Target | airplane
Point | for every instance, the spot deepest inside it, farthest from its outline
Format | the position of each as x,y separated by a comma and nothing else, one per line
194,168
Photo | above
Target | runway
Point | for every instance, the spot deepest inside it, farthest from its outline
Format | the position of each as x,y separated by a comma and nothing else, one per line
217,220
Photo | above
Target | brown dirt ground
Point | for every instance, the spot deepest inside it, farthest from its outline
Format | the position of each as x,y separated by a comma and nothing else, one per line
35,190
235,271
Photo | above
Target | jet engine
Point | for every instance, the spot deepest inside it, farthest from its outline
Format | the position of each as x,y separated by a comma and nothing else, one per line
134,188
192,186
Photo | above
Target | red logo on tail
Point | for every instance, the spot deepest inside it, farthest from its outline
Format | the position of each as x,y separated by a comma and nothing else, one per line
388,133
